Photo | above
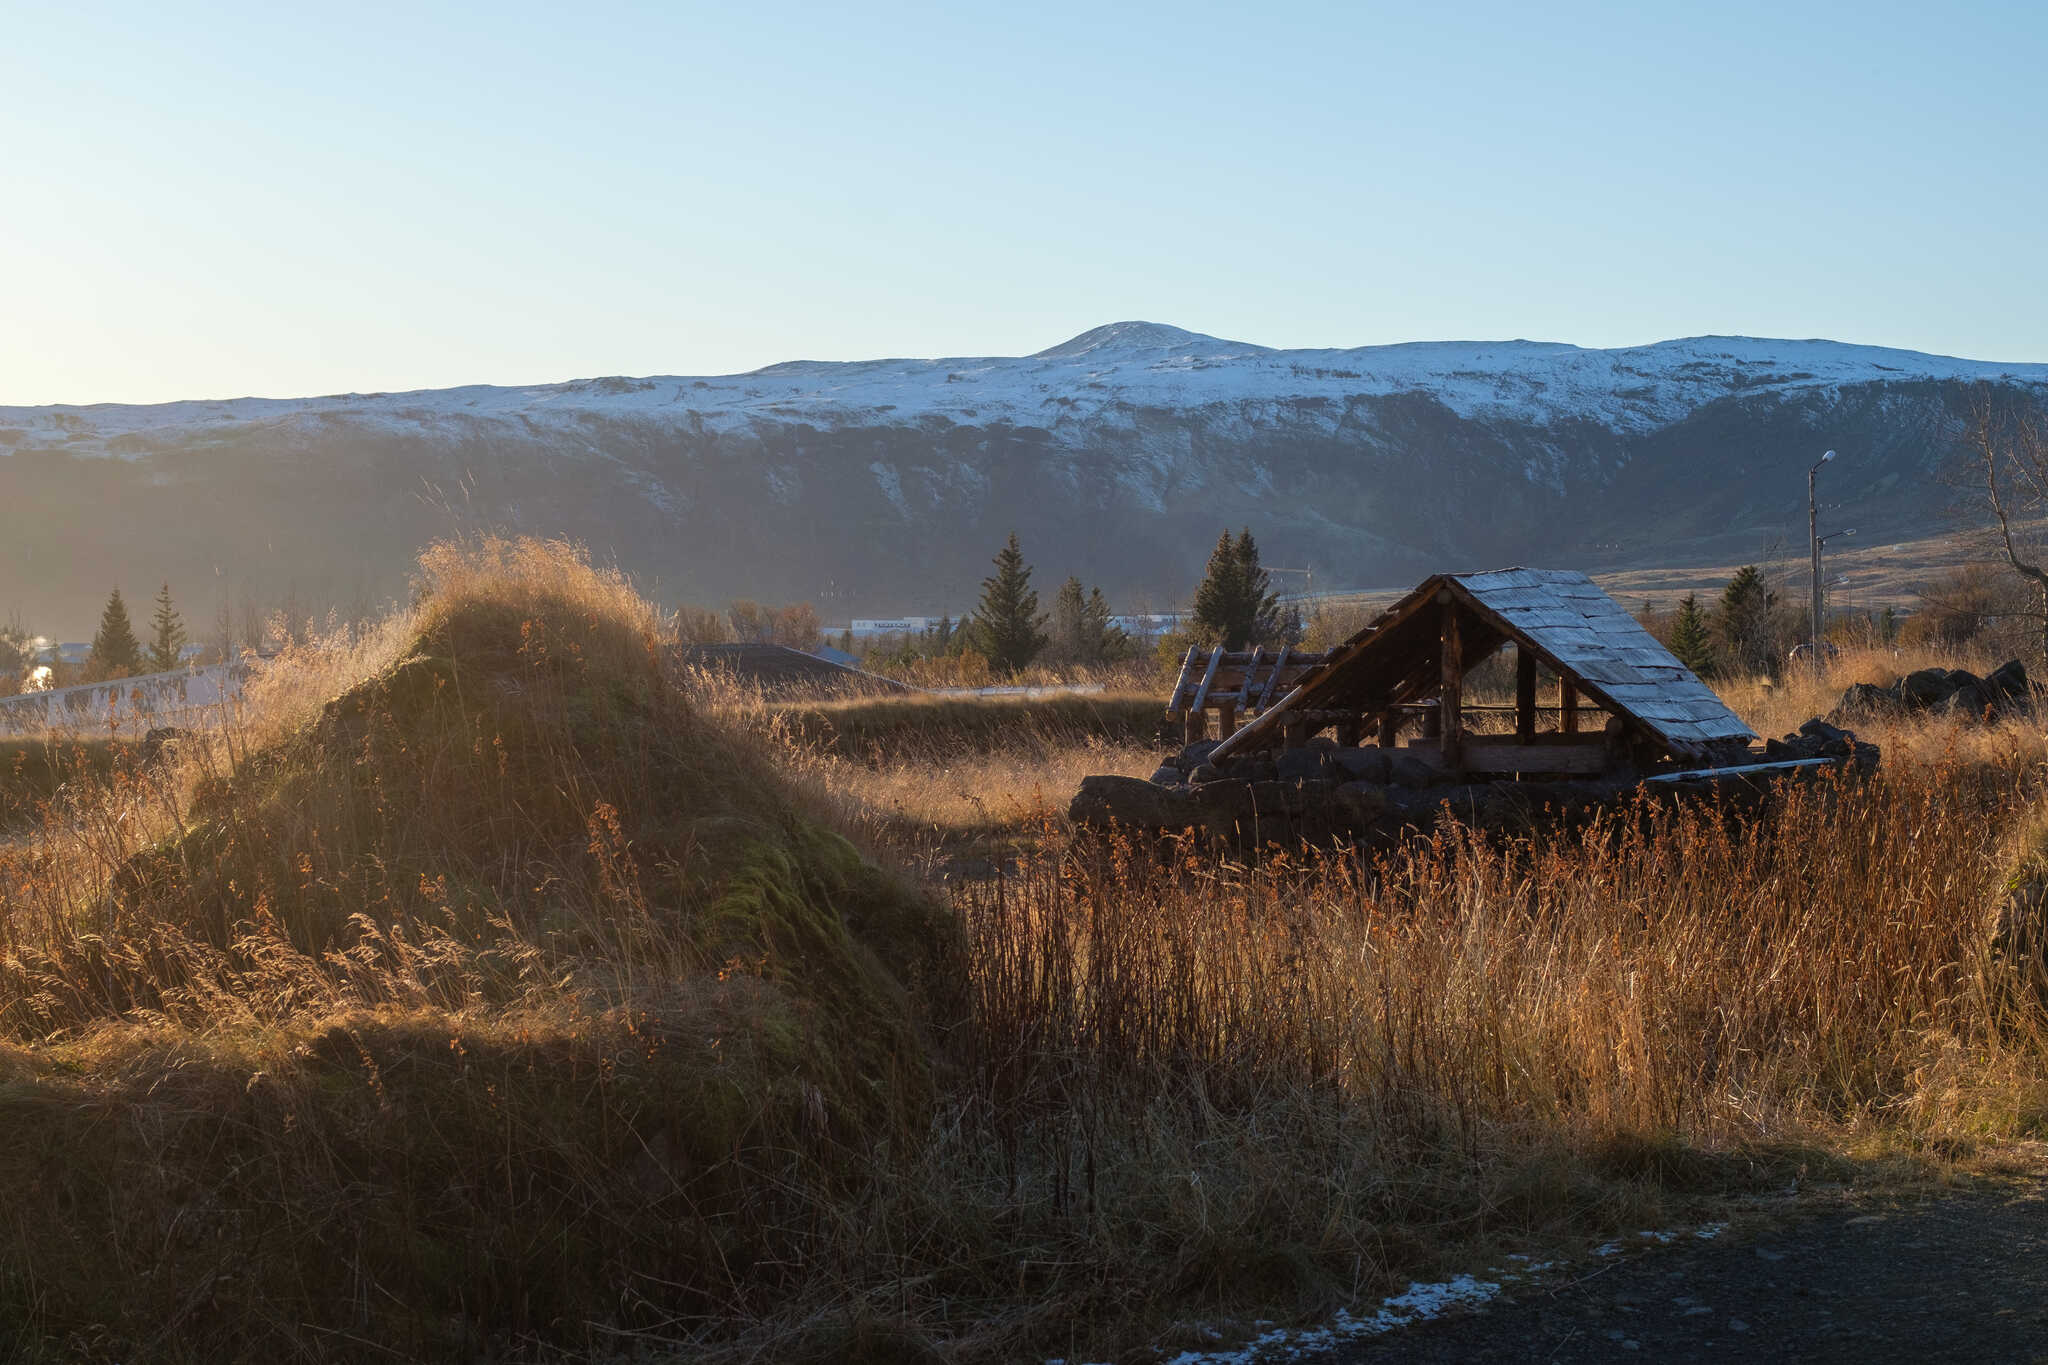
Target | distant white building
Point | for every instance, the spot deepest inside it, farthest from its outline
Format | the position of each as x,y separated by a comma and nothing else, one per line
865,628
1147,623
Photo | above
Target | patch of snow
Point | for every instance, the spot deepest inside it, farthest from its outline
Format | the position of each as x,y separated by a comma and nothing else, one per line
891,485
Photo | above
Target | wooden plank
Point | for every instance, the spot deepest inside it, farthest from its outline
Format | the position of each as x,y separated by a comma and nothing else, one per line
1273,678
1183,686
1525,692
1331,667
1202,693
1451,694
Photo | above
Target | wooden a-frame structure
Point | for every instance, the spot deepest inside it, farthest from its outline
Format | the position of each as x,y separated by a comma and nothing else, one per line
1412,660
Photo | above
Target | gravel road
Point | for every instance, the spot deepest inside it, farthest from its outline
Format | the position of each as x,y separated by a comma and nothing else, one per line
1953,1276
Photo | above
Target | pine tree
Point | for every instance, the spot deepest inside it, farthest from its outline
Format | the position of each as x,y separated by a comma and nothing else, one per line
1007,629
1235,605
167,634
115,651
1690,642
1066,633
1103,640
1743,622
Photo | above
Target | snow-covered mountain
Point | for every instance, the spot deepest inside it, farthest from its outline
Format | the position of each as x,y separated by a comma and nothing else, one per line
885,484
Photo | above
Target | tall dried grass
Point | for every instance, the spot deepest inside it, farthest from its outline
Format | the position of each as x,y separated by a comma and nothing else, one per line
482,1083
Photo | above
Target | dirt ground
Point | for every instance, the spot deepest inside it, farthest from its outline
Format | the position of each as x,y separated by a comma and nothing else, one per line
1959,1274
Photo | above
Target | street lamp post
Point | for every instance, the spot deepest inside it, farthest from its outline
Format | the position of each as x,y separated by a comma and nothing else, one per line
1813,545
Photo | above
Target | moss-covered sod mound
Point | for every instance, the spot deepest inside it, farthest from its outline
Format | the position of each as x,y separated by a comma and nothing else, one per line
499,1004
33,771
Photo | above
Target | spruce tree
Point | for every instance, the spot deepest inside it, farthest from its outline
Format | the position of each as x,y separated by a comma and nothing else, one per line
1103,640
1690,642
115,651
1066,636
1235,605
1743,621
167,634
1007,629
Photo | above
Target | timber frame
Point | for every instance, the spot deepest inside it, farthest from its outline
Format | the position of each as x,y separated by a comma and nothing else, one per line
1412,661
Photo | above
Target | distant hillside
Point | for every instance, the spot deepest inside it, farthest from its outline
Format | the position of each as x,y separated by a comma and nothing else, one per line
883,486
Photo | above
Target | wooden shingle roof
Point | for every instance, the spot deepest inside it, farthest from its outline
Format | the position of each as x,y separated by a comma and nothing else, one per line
1589,637
1559,615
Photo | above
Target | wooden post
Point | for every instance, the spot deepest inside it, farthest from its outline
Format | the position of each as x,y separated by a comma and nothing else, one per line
1226,717
1390,726
1194,726
1568,707
1294,732
1451,698
1525,694
1347,733
1433,721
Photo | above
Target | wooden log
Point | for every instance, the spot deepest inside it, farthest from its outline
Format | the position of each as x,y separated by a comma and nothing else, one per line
1450,695
1202,693
1184,685
1525,692
1273,678
1567,707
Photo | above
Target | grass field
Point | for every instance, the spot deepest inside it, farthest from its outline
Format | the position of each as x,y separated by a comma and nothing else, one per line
493,989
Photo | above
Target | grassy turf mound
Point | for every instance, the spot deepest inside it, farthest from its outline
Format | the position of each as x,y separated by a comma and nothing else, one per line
502,993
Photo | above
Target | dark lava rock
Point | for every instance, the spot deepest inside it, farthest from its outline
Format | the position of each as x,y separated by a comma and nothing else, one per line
1361,804
1293,765
1131,802
1406,770
1198,752
1924,687
2009,679
1865,699
1167,777
1362,765
1204,774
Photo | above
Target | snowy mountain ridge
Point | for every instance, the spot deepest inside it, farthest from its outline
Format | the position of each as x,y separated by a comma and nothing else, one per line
1065,388
880,487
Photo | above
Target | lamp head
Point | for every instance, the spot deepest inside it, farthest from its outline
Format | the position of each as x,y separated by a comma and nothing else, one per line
1826,456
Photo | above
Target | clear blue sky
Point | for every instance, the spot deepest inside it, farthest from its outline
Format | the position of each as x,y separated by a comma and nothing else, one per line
284,200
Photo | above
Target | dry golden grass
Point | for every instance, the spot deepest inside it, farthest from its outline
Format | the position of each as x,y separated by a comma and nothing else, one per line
491,990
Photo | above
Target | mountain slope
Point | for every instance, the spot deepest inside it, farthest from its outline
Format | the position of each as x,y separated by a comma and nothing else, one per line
882,486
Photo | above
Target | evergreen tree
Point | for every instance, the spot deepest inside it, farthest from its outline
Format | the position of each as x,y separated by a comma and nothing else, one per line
1103,640
1007,629
1690,642
1083,631
167,634
115,651
1066,632
1743,622
1235,605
